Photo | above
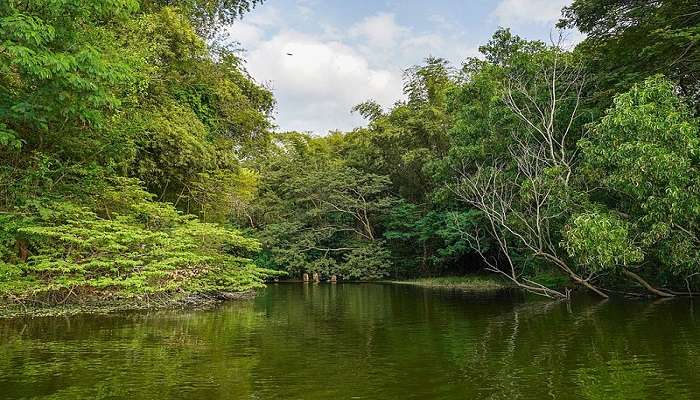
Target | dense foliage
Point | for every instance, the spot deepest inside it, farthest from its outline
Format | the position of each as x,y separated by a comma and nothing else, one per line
109,109
514,164
318,214
139,159
628,40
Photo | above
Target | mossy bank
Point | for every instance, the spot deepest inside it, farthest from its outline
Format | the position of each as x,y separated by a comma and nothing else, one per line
463,283
100,307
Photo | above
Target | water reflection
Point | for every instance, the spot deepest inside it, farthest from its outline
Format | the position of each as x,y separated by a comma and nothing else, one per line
361,341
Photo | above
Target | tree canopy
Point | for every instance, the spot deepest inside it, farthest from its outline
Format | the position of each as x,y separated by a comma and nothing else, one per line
140,159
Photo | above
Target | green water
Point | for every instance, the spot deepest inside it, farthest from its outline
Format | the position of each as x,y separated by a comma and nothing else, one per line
361,341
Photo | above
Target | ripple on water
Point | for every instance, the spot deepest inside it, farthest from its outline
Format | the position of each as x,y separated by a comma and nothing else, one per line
361,341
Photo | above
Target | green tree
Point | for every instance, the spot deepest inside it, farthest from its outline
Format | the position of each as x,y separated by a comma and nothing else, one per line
107,109
61,74
320,215
209,15
630,40
643,158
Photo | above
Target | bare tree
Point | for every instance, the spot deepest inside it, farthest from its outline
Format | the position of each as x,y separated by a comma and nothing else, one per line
523,195
547,103
484,191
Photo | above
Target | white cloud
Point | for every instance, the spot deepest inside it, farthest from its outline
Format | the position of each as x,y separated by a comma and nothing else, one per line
253,29
512,12
318,84
422,43
380,30
248,34
337,68
266,17
386,42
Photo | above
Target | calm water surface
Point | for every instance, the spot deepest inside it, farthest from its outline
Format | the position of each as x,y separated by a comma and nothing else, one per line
361,341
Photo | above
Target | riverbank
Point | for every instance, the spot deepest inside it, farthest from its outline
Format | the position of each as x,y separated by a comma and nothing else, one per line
97,307
464,283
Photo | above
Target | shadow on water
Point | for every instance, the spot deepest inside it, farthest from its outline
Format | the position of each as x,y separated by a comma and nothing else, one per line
366,341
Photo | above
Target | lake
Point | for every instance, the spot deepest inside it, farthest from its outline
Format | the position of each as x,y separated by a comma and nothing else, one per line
362,341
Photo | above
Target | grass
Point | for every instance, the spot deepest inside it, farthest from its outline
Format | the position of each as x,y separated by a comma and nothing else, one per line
466,283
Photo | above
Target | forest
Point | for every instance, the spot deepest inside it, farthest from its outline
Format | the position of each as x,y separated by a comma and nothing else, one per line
140,161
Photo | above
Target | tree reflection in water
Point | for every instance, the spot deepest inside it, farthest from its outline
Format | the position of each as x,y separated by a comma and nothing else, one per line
366,341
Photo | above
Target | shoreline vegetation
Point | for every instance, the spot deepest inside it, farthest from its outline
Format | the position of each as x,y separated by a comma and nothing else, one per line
140,160
11,310
475,284
35,308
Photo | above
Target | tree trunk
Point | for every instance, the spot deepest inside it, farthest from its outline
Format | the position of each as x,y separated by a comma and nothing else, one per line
646,285
590,287
564,267
23,250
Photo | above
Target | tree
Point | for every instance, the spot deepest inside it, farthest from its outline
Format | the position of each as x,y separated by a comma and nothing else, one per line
407,143
411,136
642,160
60,73
208,16
123,246
107,109
318,214
630,40
525,193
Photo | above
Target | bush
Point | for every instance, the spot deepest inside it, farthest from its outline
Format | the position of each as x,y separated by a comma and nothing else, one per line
125,245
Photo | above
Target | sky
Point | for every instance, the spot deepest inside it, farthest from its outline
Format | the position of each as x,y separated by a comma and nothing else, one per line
322,57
